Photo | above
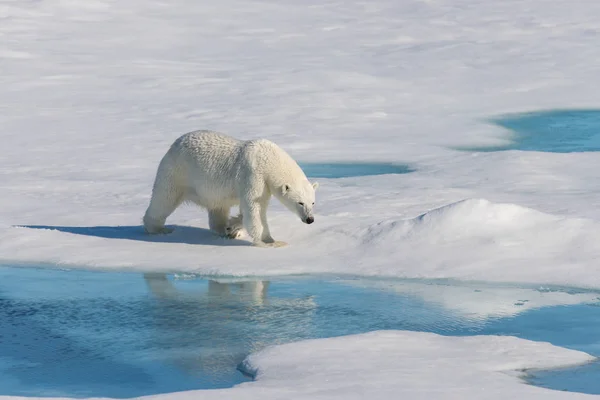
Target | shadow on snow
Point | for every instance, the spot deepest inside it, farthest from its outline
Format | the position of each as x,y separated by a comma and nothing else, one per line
180,234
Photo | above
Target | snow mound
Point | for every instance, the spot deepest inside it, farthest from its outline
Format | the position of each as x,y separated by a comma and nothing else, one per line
478,239
469,219
471,213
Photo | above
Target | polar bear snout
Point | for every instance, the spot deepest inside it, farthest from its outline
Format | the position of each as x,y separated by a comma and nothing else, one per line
309,220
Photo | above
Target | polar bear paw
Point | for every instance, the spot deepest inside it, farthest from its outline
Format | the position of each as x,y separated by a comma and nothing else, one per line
234,227
233,233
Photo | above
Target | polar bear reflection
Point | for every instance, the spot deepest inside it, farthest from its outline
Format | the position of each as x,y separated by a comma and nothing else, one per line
253,291
209,331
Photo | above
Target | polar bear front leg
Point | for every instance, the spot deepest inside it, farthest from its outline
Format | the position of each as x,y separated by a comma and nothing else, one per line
254,199
252,212
166,197
251,220
266,233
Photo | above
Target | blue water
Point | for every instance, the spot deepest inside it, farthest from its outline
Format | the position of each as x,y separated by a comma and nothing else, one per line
557,131
347,170
583,379
83,334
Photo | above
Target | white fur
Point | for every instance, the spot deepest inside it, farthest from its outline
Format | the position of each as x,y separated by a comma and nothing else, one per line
218,172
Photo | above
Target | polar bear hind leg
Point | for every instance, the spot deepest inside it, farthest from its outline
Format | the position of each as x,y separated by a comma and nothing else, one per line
166,197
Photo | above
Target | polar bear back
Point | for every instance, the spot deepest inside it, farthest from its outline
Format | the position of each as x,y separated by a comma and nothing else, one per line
202,164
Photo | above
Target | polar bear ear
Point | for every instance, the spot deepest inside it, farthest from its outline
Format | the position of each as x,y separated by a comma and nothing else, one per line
315,185
285,188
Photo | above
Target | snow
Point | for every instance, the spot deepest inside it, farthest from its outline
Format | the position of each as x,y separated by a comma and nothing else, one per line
401,362
94,92
472,239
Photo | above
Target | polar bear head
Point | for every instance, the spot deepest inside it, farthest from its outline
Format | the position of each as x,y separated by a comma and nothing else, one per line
299,198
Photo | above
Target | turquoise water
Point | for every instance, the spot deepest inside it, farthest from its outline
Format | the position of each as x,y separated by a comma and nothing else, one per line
583,379
347,170
103,334
557,131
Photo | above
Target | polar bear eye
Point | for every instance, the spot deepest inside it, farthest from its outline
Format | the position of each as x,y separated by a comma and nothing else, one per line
301,203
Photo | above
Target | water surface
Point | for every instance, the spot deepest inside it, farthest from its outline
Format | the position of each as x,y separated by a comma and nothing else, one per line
352,169
104,334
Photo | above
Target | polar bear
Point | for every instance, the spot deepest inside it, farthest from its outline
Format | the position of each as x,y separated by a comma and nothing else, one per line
218,172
